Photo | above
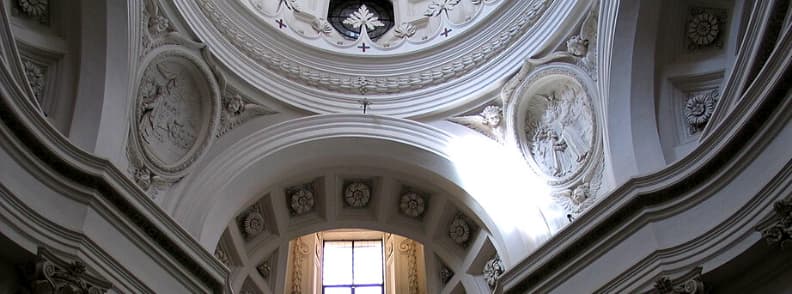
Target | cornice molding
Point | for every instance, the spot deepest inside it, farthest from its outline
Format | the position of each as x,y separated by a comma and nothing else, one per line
402,86
19,217
724,152
44,149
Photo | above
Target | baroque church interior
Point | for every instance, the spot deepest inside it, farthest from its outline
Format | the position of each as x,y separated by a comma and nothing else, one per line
395,146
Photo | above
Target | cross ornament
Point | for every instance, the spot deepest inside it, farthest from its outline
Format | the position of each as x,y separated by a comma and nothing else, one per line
445,32
364,103
364,47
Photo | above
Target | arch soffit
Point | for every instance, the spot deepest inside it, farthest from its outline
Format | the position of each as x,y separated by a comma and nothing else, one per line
242,171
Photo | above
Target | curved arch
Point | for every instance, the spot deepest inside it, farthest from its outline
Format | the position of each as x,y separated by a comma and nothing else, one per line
630,111
485,177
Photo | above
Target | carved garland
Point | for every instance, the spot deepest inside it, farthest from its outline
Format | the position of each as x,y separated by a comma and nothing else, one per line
300,250
408,246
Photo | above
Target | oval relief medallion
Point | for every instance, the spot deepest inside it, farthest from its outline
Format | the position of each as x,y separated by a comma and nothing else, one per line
177,109
556,123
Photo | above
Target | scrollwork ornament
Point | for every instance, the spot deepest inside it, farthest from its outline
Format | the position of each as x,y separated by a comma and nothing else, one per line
357,194
222,256
264,269
459,230
36,76
493,269
412,204
53,275
780,232
302,201
143,178
34,8
445,274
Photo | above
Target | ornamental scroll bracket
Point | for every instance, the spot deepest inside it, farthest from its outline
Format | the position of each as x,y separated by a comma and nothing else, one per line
689,283
52,274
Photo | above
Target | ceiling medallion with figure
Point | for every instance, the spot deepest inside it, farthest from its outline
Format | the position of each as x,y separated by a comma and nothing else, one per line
556,124
176,115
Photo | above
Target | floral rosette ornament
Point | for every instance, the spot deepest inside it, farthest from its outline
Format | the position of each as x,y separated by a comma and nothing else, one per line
302,201
703,29
412,204
699,109
253,224
459,231
357,195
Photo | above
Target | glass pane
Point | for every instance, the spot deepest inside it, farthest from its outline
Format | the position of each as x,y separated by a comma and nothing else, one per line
368,262
340,290
368,290
337,267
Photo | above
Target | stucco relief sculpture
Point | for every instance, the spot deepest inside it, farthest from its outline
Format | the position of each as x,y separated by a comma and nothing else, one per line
552,114
264,269
37,78
299,251
690,283
237,110
51,274
780,232
445,274
559,131
704,27
301,200
493,269
459,230
408,247
422,21
488,122
439,6
363,18
35,9
699,108
222,256
253,224
177,110
412,204
357,194
169,117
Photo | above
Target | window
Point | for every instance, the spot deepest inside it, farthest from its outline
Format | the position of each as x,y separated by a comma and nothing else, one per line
353,267
341,10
